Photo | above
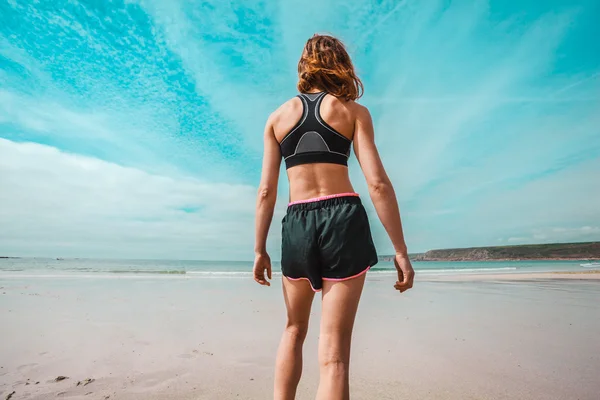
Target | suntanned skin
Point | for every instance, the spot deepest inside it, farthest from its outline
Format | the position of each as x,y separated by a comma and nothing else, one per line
340,299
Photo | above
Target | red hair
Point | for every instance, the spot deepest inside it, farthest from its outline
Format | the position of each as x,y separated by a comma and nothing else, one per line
325,65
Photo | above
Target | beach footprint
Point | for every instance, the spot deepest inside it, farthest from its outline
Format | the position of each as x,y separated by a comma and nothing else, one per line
194,353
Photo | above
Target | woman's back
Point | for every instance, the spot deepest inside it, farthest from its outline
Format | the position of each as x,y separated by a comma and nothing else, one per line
317,179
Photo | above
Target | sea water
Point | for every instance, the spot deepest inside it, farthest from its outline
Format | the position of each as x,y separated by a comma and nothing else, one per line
113,268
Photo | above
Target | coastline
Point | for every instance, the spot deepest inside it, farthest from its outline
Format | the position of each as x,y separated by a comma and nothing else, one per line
578,251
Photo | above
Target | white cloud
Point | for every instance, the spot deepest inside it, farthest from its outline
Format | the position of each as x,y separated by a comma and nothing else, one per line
58,204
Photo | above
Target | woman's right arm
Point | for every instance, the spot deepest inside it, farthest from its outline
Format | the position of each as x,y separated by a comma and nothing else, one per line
382,194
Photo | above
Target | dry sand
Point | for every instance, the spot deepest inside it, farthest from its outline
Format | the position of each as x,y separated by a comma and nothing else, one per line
504,337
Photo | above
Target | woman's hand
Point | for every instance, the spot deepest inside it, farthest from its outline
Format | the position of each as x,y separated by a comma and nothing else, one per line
262,263
406,274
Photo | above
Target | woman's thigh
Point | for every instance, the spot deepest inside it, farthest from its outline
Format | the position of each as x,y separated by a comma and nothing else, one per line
340,304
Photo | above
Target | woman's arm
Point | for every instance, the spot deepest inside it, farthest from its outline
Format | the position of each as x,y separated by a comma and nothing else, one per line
265,203
382,194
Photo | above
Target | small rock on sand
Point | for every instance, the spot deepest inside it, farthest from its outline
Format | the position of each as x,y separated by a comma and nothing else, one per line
85,381
60,378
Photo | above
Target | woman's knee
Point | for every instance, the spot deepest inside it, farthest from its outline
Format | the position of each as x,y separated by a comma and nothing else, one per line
297,330
334,350
334,362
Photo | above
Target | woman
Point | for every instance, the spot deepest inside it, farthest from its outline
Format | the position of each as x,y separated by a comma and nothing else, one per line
326,240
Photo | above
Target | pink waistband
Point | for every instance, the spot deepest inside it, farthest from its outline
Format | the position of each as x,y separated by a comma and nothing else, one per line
331,196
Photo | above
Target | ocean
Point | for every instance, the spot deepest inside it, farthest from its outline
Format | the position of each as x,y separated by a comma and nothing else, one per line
113,268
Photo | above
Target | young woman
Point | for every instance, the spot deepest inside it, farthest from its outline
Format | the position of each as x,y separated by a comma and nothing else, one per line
326,239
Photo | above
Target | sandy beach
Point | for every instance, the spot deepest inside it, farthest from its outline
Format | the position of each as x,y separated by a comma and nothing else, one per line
504,336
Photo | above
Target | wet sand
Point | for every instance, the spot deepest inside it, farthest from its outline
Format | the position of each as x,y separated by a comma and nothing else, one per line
506,336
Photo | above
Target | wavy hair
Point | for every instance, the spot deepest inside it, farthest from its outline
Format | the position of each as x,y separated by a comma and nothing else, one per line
325,65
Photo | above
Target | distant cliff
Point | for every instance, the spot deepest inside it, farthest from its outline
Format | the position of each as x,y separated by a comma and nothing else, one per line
554,251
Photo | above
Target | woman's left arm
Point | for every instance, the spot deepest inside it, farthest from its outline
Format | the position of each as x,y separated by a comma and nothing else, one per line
265,203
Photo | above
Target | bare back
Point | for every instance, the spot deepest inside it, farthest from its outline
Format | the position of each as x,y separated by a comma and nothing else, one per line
317,179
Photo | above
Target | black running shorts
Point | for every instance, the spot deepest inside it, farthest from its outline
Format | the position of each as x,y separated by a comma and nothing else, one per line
327,238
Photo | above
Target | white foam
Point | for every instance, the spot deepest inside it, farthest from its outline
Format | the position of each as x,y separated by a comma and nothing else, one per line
590,265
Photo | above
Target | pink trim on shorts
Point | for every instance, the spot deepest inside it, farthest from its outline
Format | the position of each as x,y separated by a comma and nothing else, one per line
350,277
330,279
331,196
309,282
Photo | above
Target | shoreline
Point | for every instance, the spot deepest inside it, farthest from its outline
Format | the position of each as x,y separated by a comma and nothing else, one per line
568,272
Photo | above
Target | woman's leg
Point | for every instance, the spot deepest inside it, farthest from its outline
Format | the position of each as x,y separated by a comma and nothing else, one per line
298,297
340,302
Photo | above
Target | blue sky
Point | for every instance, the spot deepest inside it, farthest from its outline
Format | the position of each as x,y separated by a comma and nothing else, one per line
133,128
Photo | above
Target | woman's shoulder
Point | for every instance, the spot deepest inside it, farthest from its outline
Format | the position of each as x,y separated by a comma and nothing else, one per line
351,108
361,110
351,105
290,106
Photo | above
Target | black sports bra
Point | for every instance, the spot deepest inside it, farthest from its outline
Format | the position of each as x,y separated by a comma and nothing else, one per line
311,140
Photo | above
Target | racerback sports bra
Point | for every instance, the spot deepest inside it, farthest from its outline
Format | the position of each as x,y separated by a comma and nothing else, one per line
311,140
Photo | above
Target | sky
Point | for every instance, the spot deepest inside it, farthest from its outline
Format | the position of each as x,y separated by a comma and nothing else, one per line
133,129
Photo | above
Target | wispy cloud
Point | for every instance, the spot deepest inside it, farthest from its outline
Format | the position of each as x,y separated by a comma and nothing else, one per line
112,90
